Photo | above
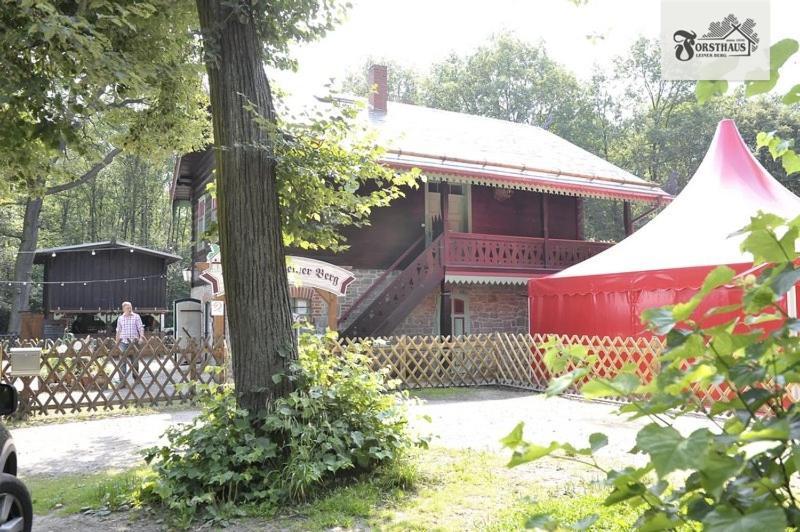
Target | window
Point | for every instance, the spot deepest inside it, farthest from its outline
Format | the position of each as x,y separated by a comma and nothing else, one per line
455,190
301,309
205,215
459,316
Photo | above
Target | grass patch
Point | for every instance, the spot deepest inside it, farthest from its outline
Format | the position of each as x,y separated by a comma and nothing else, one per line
453,490
70,493
437,490
439,393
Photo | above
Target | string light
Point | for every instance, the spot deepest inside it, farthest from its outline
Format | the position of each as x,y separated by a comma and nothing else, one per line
94,253
53,254
85,282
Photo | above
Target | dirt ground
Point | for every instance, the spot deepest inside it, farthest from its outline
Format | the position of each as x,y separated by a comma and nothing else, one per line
475,418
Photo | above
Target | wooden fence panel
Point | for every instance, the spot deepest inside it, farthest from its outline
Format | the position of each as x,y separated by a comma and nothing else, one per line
94,374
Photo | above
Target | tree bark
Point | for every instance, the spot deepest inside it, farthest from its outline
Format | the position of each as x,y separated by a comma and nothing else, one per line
21,294
251,243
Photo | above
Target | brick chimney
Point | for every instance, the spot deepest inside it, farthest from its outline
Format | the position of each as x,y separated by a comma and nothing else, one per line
377,79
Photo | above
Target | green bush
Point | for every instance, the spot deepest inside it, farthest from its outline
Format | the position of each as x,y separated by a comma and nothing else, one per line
341,419
741,472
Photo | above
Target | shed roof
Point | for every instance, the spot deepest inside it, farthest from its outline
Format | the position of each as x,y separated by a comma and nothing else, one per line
41,254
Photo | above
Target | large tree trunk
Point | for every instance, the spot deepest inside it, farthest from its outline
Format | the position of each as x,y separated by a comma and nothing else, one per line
23,266
256,289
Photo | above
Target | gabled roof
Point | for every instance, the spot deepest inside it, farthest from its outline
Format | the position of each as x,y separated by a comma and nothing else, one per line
476,149
460,147
695,230
42,254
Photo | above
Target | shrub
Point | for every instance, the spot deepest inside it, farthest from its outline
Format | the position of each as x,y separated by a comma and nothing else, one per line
342,418
740,473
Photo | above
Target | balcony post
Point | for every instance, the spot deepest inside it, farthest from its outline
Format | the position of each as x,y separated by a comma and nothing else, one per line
545,224
445,320
579,218
627,218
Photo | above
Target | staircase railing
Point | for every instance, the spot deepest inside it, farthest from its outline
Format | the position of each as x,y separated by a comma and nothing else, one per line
379,281
401,295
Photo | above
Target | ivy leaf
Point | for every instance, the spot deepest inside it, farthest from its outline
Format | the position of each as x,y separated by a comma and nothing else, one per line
585,523
728,519
669,451
707,89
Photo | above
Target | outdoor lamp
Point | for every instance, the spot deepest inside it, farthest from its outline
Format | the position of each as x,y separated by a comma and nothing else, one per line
187,275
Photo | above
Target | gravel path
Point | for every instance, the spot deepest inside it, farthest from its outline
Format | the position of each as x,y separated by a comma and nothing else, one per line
91,446
476,418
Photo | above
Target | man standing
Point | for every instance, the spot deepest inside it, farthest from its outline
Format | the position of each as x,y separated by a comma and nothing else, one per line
130,330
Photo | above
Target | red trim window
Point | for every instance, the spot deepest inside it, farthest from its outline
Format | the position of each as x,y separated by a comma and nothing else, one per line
459,316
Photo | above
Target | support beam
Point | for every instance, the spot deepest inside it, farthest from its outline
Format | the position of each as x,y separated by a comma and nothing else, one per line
627,218
445,311
545,224
332,302
579,218
445,320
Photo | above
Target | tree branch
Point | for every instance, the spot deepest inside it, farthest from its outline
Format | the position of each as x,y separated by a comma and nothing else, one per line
91,174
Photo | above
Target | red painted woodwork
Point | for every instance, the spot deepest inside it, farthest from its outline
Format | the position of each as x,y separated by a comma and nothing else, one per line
500,253
518,215
424,273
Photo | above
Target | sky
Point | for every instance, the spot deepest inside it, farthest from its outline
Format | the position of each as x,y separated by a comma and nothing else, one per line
418,33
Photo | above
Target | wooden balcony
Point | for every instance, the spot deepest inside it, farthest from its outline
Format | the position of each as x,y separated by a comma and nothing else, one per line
486,253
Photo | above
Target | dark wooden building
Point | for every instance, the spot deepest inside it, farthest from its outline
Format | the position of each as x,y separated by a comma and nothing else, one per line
97,277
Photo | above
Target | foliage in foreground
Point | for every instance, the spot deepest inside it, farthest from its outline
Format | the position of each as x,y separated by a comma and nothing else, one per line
737,475
342,418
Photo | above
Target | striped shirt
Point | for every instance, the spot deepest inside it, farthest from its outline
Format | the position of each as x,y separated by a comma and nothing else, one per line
129,327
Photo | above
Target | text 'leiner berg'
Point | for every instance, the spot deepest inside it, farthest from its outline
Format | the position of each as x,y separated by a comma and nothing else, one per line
320,273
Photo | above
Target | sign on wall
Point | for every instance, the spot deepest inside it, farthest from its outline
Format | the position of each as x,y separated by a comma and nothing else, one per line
317,274
217,308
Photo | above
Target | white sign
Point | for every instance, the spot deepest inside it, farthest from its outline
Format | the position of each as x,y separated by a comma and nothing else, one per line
217,308
715,40
317,274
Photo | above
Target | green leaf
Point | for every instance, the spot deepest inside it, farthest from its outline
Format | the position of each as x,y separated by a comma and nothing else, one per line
660,320
715,470
728,519
560,384
793,96
585,523
513,438
669,451
597,441
780,52
541,522
622,385
531,453
707,89
790,162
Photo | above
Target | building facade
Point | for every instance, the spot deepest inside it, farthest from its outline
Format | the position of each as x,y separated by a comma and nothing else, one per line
498,203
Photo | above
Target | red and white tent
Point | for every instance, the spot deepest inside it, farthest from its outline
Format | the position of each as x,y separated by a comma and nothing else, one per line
666,260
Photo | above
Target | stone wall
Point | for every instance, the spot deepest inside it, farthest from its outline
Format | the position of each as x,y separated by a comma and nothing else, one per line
491,308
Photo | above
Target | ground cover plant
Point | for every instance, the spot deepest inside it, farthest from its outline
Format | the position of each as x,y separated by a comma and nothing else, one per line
740,473
342,418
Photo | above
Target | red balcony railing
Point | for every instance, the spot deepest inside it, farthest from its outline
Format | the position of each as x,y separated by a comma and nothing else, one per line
498,252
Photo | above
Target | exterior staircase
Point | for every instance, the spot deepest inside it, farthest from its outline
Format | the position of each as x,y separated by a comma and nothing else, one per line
399,297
